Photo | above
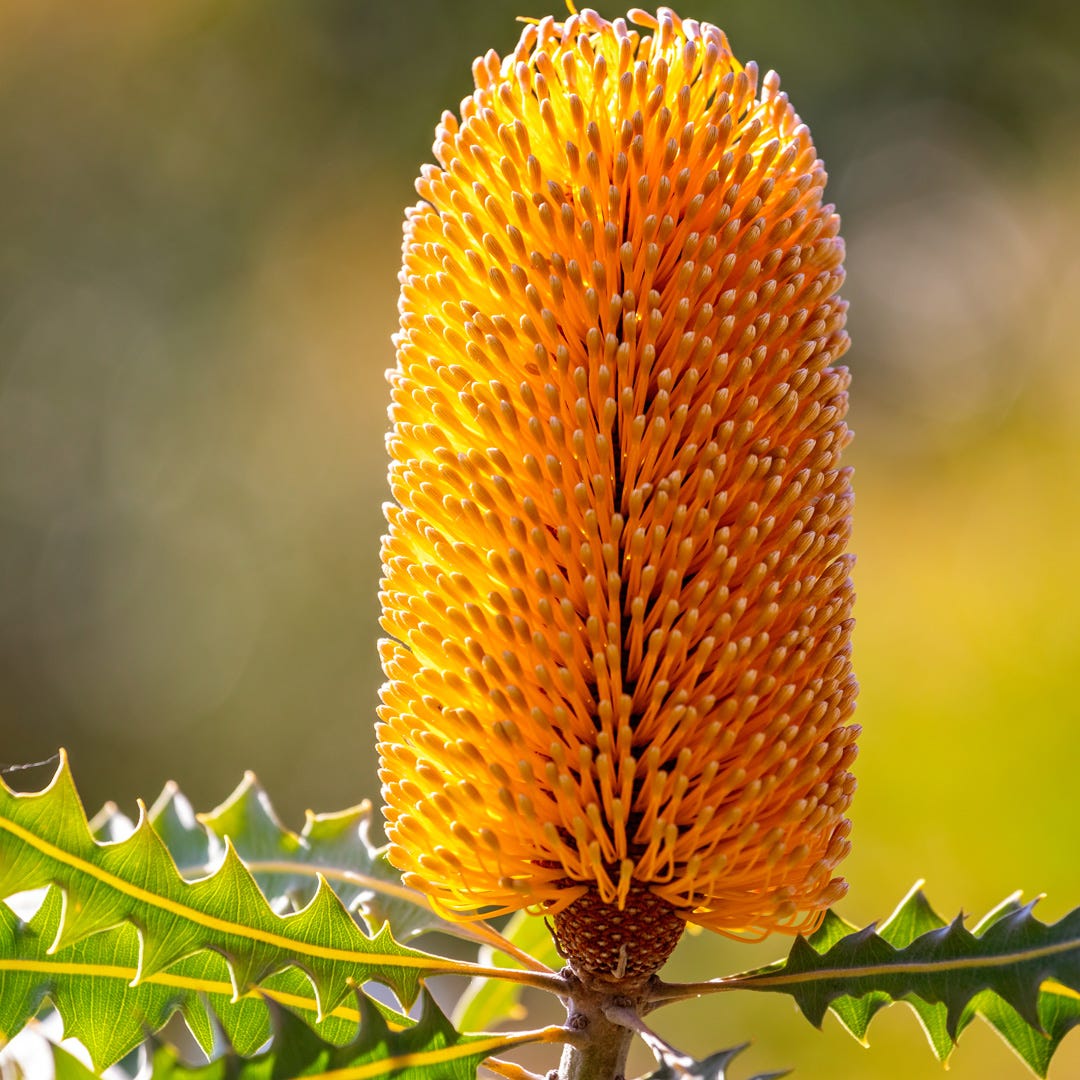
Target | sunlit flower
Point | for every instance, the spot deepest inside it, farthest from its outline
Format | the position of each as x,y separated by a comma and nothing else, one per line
619,685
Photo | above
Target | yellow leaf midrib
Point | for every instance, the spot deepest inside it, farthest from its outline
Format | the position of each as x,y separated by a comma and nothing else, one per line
928,967
212,922
175,981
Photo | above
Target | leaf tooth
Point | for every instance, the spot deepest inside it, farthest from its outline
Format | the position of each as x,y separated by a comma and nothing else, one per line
175,821
803,956
94,904
813,1006
327,828
232,890
409,986
249,813
330,921
914,895
1008,906
203,1023
914,915
954,934
1027,911
109,823
1020,920
1023,996
932,1019
724,1058
954,1013
854,1015
61,801
432,1018
861,937
832,929
162,943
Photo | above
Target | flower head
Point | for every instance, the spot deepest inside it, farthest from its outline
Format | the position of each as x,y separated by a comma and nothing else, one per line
619,685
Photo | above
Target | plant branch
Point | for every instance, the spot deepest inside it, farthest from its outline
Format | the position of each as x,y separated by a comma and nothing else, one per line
551,983
663,1050
602,1056
509,1070
604,1021
662,993
486,934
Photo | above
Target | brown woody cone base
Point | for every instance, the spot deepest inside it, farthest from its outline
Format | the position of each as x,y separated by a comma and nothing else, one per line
609,947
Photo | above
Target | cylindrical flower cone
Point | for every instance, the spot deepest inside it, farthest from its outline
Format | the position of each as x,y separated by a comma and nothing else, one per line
618,679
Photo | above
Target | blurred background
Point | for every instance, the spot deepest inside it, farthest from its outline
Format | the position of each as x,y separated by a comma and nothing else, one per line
200,210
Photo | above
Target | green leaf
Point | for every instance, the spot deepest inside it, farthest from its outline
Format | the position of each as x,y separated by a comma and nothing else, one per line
1020,974
429,1050
488,1002
90,984
68,1067
286,865
216,935
714,1067
338,846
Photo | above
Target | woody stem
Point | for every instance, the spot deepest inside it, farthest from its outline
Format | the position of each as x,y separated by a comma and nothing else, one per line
601,1051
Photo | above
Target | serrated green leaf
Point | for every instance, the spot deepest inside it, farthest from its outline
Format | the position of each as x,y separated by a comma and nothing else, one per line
1059,1009
913,917
1020,974
488,1002
287,865
175,821
338,846
713,1067
430,1050
161,927
89,983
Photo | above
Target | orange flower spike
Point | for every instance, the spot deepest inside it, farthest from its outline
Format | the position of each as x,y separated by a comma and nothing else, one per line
619,686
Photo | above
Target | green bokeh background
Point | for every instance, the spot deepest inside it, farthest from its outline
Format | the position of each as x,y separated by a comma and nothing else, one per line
200,211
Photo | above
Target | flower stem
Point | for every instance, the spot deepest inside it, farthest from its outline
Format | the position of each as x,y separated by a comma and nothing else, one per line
600,1050
601,1056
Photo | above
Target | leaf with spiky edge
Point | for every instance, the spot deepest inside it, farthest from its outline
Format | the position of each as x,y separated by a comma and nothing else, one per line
432,1049
45,839
189,843
336,845
90,985
1059,1009
286,865
1020,974
713,1067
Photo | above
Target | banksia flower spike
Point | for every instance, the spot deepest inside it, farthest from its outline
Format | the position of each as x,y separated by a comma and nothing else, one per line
618,686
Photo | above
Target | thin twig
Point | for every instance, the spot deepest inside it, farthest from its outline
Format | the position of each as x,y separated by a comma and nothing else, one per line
488,935
510,1070
548,981
553,1033
664,1051
662,993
